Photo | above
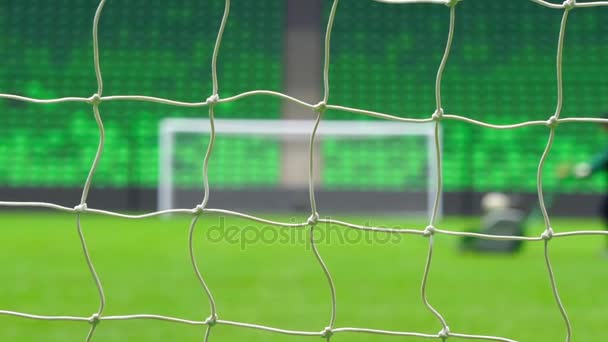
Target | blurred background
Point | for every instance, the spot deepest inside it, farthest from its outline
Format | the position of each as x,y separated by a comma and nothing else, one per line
384,58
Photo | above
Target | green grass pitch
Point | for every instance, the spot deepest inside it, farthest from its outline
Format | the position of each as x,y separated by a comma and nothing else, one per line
145,268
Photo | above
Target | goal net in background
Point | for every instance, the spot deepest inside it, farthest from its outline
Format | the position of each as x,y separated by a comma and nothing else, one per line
437,117
345,181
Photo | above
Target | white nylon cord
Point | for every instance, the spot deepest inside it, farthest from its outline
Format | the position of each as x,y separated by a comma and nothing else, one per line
430,231
80,208
552,123
437,116
211,102
320,109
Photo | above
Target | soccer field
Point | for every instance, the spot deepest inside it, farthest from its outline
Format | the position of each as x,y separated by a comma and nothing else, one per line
276,281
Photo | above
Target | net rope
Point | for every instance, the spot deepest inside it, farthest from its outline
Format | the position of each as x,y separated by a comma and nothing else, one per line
320,108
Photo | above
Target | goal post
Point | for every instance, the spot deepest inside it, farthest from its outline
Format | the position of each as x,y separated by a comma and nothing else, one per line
402,145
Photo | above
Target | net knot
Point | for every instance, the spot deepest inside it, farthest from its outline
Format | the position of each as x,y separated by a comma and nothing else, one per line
95,99
438,115
81,208
452,3
94,319
211,321
444,333
569,4
199,209
313,219
552,122
429,230
547,234
327,332
213,99
320,107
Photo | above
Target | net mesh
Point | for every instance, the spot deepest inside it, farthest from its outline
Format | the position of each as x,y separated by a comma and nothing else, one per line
428,232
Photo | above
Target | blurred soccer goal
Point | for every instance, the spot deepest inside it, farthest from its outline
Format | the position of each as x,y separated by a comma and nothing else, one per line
393,170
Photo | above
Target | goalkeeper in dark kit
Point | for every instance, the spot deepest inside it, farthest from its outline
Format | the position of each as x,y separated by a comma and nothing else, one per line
589,168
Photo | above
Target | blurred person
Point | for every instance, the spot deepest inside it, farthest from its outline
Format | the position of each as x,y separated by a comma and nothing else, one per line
589,168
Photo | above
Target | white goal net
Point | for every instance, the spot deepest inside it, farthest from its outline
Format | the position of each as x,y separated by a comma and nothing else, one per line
436,116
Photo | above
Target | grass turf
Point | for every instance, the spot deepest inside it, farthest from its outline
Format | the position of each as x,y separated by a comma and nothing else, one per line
145,268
